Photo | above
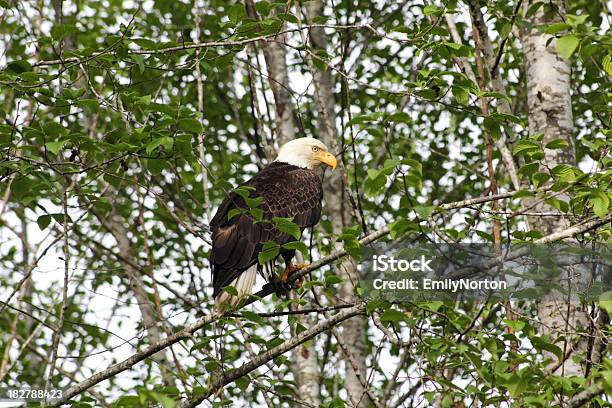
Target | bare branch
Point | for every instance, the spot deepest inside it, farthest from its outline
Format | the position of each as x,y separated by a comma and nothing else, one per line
210,44
222,380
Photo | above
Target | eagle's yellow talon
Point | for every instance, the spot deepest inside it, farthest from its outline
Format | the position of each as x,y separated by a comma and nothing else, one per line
301,265
290,270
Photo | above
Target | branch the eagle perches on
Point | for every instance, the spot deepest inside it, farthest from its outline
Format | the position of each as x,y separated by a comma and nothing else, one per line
220,380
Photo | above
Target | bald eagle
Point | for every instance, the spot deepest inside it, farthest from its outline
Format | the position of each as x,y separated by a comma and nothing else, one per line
287,188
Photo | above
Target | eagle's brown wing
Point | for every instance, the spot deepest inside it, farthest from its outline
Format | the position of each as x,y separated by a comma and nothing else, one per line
287,191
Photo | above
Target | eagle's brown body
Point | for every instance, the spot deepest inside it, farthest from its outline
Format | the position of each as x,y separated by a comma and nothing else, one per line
287,191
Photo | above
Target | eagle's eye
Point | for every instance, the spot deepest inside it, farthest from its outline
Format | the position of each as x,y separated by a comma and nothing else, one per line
315,149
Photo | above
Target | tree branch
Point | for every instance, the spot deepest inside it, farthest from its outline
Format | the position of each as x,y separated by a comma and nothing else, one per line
210,44
135,358
222,380
585,396
358,309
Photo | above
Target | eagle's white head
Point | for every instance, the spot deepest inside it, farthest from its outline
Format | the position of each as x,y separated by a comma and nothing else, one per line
306,152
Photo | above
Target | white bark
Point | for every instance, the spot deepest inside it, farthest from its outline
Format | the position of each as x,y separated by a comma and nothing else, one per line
275,54
276,61
353,330
550,113
308,373
150,318
305,369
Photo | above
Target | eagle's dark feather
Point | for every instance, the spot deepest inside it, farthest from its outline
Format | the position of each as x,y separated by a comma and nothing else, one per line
287,191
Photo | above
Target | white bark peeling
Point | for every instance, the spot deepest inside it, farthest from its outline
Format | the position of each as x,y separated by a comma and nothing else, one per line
548,90
305,369
308,373
550,113
353,330
279,83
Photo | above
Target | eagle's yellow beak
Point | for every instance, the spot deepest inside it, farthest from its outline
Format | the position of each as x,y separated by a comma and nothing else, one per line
327,158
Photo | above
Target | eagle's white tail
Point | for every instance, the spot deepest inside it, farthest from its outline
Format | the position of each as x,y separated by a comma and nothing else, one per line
244,286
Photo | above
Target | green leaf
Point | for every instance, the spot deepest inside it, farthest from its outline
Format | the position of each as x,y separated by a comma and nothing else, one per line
257,213
43,221
557,28
337,402
605,302
236,13
89,105
55,146
287,226
492,125
533,8
144,100
252,316
557,144
544,344
19,67
564,172
244,191
128,401
287,17
269,252
462,96
376,132
234,212
59,31
515,325
524,193
575,20
373,174
392,315
331,279
424,211
399,117
139,60
263,8
453,45
539,179
399,227
434,305
243,382
528,169
190,125
505,29
164,400
253,202
297,245
374,183
567,45
607,64
524,146
430,9
212,365
600,201
165,141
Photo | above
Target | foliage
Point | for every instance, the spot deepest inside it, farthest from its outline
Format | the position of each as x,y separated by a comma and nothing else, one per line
109,171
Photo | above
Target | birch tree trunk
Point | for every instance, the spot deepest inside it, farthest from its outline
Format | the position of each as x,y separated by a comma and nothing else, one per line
305,369
151,320
276,61
275,55
354,329
550,113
